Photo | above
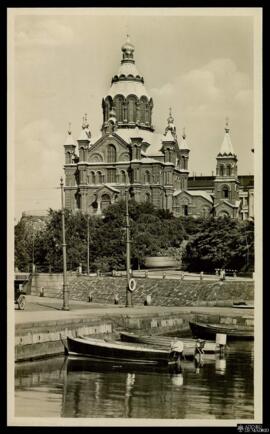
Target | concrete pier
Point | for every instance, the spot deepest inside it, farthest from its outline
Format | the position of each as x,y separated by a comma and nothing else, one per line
38,329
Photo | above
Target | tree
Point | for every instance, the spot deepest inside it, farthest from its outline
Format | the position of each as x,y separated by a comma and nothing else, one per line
221,243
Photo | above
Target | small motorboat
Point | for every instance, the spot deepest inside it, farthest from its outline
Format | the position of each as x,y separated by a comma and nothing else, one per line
242,305
164,342
113,351
209,331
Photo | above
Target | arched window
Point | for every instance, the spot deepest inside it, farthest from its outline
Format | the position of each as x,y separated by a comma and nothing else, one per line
92,178
111,154
147,197
99,177
183,162
221,170
143,103
131,109
147,177
229,170
105,201
123,177
225,192
107,105
111,175
118,102
185,210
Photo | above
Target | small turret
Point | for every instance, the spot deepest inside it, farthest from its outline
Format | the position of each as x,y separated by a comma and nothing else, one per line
226,181
84,139
70,147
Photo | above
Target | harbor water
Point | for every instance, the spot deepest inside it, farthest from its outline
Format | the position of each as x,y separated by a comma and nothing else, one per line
222,388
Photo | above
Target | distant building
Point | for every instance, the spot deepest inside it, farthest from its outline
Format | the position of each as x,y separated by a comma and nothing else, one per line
128,151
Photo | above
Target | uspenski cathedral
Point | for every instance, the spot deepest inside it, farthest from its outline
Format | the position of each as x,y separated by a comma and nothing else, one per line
129,152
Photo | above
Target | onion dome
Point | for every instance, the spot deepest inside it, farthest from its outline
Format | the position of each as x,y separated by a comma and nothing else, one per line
226,146
128,96
128,80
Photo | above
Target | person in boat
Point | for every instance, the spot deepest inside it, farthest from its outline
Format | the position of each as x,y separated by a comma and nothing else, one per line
176,350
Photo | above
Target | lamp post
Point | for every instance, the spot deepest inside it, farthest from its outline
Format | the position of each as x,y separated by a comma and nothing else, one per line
128,293
65,289
88,239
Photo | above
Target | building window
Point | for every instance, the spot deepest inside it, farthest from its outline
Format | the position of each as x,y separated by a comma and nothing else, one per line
131,110
92,178
119,109
147,197
111,154
105,201
111,175
229,170
185,210
225,192
221,170
147,177
183,162
143,111
123,177
99,177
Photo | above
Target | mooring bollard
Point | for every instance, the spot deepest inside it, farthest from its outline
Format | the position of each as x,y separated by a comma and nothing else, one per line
41,292
201,275
116,299
148,300
164,276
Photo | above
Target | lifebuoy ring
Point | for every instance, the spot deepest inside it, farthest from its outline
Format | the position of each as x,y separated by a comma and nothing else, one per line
132,285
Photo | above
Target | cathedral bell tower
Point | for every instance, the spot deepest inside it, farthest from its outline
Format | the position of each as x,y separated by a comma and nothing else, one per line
226,181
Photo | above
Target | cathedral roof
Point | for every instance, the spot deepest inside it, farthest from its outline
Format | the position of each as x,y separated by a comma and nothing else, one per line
127,87
128,81
152,138
226,146
184,144
70,140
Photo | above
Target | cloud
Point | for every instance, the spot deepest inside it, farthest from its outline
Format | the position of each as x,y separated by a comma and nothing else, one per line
44,33
39,155
214,89
166,90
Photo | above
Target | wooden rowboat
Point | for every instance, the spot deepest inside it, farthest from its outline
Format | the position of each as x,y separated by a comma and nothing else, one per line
242,305
209,331
164,342
112,351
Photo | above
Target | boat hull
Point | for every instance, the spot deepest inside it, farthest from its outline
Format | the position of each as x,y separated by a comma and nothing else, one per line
165,343
98,350
209,331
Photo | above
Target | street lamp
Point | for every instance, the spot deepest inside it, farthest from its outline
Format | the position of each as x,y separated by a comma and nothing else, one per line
128,293
65,290
88,239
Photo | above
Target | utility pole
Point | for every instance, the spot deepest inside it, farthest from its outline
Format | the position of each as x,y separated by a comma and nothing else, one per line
65,289
88,239
128,293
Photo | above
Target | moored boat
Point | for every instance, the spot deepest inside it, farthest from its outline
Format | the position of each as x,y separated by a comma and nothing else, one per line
112,351
209,331
190,344
242,305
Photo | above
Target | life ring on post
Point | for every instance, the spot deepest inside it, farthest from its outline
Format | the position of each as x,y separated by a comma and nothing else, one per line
132,285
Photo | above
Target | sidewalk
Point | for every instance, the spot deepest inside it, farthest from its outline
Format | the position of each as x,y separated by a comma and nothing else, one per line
43,309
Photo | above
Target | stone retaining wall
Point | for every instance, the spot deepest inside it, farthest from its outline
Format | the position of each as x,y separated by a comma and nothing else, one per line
163,292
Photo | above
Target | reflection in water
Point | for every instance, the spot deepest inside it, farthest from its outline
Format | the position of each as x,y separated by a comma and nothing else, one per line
210,388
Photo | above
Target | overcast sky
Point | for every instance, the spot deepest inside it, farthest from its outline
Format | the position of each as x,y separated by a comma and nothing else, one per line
201,66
